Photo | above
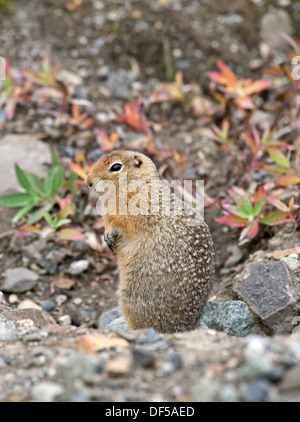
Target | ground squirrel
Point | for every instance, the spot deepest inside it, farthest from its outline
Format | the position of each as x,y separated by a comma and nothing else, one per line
165,258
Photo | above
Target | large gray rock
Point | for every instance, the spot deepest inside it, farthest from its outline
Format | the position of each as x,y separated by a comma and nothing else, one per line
18,280
268,290
28,152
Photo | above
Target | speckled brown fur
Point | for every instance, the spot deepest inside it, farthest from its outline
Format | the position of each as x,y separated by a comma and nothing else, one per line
166,264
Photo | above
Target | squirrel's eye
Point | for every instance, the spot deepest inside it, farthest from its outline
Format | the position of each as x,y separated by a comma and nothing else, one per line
116,167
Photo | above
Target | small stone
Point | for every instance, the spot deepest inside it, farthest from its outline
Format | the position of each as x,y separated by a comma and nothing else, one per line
68,77
60,299
291,379
2,362
118,366
28,303
232,316
77,301
92,344
153,335
108,316
208,390
46,391
143,357
64,283
78,267
49,263
291,262
47,305
33,337
64,320
257,391
32,251
118,324
13,298
237,319
235,255
19,280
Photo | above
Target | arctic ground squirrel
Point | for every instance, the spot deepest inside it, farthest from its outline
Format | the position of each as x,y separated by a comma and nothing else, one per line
164,249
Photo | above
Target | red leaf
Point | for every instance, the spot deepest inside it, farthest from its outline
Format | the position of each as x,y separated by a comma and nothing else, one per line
245,103
133,117
226,71
217,77
257,86
292,202
278,204
78,170
232,220
250,231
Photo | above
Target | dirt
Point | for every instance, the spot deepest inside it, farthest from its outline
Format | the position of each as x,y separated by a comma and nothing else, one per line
151,39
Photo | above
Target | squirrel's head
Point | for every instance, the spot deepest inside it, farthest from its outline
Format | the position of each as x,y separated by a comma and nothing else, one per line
119,167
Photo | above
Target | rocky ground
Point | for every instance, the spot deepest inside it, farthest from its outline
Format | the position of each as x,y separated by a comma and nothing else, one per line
62,337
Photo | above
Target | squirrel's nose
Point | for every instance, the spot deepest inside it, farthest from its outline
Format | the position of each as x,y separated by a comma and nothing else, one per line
89,182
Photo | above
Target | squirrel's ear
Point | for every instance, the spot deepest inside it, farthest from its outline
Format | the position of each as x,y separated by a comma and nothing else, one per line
137,162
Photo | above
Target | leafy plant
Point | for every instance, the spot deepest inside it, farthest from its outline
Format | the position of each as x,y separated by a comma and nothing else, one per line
108,143
248,210
241,91
260,144
37,192
78,121
290,169
45,76
133,117
12,94
176,89
221,134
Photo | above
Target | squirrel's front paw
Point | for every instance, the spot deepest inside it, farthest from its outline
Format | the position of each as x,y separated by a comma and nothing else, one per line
110,241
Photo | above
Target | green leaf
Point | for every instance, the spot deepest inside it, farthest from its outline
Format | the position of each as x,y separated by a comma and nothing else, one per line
15,200
240,212
279,158
259,205
47,184
62,222
277,217
22,178
58,179
247,207
36,184
38,215
48,218
55,162
53,181
23,211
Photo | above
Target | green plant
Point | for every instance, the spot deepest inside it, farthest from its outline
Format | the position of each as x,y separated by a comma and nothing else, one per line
248,211
37,192
12,94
